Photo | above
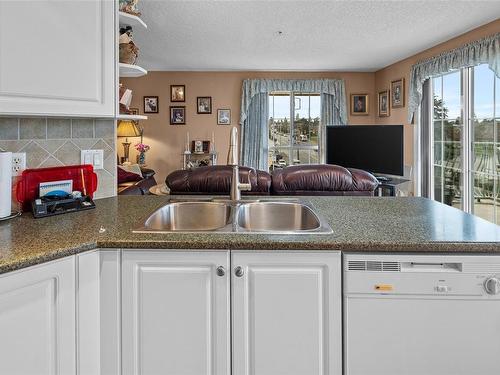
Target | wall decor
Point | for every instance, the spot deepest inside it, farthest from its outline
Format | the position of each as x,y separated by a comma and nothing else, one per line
151,104
223,117
398,93
383,103
359,105
177,115
204,104
177,93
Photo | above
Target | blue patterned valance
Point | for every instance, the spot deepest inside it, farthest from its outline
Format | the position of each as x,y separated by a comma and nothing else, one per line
483,51
334,87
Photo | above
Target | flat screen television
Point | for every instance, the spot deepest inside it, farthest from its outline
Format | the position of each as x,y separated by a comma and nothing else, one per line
373,148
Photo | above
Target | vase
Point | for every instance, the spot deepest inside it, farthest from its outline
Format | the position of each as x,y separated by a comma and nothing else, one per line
142,158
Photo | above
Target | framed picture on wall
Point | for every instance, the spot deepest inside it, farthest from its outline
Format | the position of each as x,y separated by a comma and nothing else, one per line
177,115
359,105
204,105
151,104
177,93
383,103
398,93
223,117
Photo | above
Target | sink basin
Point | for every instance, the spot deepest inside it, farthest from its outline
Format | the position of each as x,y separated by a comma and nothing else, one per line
279,217
188,217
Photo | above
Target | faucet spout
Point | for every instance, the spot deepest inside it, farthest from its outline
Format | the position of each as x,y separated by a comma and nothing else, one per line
232,160
232,155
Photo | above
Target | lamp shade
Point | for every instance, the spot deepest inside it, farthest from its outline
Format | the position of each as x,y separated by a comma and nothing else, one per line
127,128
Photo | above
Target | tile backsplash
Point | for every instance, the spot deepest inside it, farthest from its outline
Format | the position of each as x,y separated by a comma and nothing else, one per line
50,142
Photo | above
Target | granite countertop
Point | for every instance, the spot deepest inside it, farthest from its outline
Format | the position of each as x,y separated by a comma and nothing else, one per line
359,224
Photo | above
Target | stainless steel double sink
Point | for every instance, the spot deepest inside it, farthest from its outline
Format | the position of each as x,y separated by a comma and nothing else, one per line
225,216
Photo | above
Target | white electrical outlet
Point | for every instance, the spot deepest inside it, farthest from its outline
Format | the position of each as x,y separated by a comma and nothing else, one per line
18,163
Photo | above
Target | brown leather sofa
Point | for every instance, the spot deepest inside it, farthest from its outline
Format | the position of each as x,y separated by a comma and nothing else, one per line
216,180
140,186
318,179
322,179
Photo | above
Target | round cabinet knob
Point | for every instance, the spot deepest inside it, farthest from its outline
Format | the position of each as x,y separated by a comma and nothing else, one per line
492,285
238,271
220,271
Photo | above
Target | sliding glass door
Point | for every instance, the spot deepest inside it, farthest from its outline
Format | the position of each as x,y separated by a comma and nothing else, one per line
448,134
465,140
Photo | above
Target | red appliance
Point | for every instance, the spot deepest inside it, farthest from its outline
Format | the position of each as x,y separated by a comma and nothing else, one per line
28,187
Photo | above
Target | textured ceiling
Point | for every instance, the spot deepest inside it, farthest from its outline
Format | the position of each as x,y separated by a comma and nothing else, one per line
317,35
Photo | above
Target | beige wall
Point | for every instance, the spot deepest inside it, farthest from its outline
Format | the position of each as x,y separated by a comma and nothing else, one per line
400,69
167,141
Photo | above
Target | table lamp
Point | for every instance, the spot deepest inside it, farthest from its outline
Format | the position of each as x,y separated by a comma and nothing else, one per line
127,128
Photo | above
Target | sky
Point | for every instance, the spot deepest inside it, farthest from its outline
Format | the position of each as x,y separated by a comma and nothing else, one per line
484,92
281,108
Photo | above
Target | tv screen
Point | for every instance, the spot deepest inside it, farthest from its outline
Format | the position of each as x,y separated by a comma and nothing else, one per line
373,148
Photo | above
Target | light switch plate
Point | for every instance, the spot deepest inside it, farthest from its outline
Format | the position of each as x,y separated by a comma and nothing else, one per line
93,157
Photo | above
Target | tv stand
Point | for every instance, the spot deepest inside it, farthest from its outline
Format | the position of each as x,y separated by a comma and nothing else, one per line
383,178
388,187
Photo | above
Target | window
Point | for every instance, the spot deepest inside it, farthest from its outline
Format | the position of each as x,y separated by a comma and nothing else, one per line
466,141
294,129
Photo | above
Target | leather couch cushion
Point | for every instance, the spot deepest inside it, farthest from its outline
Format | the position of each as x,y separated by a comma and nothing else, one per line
322,179
216,180
125,176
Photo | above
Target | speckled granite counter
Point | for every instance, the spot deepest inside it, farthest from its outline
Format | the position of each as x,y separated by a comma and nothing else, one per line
358,223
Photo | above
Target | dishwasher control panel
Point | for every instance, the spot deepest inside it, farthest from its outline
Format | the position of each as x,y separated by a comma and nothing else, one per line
422,275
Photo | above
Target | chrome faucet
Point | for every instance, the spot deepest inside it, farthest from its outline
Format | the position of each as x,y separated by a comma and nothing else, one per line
232,159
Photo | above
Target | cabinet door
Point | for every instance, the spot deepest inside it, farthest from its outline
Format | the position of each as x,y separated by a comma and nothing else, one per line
57,58
286,313
175,313
37,320
98,311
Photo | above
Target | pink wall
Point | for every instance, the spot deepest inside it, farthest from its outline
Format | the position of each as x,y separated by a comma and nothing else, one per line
402,68
167,141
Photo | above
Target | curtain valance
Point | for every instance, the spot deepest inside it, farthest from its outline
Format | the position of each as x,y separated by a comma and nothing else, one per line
483,51
334,87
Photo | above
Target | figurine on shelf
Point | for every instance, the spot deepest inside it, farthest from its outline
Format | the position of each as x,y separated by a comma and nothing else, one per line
130,7
125,100
128,50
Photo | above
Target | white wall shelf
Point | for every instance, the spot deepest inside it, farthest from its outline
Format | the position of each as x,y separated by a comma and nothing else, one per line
131,20
132,71
131,117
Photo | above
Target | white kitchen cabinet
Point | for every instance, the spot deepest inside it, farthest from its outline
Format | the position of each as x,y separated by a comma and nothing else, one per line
57,58
37,319
175,312
98,312
286,313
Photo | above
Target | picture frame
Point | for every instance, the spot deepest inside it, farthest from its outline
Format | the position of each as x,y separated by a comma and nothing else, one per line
151,104
134,111
223,116
398,93
200,147
177,115
204,105
360,105
177,93
383,103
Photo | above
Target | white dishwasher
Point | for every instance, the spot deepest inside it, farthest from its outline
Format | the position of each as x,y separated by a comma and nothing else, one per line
421,315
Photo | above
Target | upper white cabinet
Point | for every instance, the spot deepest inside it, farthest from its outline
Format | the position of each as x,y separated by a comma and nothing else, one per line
175,313
37,319
57,58
286,313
